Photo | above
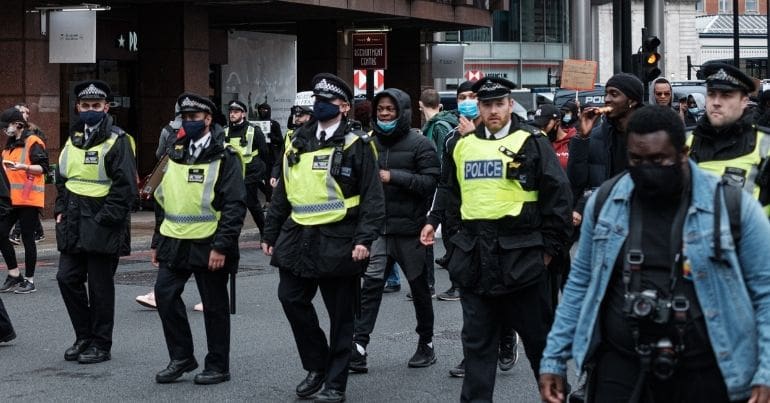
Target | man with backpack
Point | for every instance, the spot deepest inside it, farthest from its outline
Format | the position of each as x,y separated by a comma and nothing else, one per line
668,297
438,123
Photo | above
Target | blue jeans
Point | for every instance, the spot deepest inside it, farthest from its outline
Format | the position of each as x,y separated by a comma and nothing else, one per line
394,279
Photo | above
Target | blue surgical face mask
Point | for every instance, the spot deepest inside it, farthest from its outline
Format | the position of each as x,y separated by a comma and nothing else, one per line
386,127
325,111
693,111
469,108
567,118
91,118
193,128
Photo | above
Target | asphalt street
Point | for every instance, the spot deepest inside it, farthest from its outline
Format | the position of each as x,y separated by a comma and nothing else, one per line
264,364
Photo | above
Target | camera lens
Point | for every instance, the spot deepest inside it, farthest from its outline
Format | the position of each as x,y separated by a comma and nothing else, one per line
642,307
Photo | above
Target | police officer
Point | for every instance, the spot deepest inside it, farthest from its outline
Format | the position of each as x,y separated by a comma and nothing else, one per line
250,142
515,204
326,212
726,141
201,205
96,184
301,113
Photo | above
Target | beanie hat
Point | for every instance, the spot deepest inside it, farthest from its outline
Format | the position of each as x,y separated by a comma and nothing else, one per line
629,85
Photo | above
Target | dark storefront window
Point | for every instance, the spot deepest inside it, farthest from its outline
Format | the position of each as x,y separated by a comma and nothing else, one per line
526,21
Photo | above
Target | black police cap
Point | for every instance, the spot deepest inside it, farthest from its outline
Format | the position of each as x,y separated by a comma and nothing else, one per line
329,86
9,116
190,102
726,77
92,89
492,88
237,105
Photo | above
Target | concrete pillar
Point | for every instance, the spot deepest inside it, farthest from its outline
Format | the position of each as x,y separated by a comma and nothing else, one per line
27,77
404,66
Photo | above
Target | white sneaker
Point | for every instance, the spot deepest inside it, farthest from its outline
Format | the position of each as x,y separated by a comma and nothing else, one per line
147,300
198,307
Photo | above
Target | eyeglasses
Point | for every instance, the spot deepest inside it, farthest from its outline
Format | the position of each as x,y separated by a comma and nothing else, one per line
662,94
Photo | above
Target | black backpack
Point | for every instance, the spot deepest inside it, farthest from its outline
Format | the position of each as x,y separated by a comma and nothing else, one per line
732,200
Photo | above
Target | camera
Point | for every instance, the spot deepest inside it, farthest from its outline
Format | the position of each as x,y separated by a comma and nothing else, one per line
664,363
646,305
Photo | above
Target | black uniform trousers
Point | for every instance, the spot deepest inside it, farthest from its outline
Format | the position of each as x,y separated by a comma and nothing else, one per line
6,327
339,294
212,286
412,257
527,310
91,311
254,207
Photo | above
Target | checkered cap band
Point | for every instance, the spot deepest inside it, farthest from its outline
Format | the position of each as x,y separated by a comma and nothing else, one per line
190,103
92,91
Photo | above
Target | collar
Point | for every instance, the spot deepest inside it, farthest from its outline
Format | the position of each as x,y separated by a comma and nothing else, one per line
329,130
91,129
202,142
498,134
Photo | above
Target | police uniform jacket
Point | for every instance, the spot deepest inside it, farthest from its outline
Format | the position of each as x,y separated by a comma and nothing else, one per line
414,171
257,168
99,224
229,199
495,257
325,250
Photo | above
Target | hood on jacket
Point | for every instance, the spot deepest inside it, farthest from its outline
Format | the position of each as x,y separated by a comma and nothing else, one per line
652,91
266,115
404,119
699,99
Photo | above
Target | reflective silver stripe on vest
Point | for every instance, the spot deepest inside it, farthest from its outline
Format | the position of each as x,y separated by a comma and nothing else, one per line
207,213
21,187
23,154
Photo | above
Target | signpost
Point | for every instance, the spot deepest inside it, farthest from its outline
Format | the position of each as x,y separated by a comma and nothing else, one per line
578,75
370,53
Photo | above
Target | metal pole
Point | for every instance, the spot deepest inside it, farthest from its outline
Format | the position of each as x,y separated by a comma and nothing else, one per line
736,36
767,11
580,13
617,33
626,44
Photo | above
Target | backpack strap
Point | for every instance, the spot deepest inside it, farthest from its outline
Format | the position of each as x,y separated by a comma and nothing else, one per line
732,195
603,192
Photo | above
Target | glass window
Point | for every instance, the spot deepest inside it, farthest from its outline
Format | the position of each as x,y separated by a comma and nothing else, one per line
725,6
752,6
699,5
475,35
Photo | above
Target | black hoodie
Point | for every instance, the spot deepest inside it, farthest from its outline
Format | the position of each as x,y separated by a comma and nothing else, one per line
414,169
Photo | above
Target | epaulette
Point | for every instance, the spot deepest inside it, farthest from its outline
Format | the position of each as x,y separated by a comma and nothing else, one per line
364,136
117,130
531,129
763,129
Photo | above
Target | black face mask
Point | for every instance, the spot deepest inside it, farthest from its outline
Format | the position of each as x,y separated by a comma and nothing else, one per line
657,183
552,135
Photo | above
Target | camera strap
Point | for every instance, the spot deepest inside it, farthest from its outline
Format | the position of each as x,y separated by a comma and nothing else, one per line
632,264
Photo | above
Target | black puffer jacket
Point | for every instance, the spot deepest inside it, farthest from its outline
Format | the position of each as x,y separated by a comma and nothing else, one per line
98,224
414,170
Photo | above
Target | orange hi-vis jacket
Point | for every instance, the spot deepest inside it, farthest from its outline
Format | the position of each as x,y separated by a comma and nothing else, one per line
34,196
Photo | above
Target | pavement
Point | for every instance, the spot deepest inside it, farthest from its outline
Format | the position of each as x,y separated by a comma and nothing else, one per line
265,366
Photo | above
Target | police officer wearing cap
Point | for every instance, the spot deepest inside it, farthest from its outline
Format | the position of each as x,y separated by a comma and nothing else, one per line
726,142
96,184
301,113
201,205
250,142
515,204
327,210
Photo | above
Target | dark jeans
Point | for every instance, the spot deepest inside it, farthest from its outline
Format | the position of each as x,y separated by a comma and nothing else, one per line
6,327
254,207
616,375
384,251
92,312
527,311
28,219
296,295
212,286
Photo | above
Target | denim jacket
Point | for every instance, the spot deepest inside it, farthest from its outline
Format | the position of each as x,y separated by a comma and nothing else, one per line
734,294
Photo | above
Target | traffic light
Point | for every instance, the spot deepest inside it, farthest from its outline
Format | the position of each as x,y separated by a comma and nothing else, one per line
649,59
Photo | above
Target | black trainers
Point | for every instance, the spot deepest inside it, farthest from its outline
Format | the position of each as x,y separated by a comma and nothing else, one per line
391,288
10,283
459,370
452,294
25,287
443,261
39,237
15,239
8,337
423,357
357,361
509,353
